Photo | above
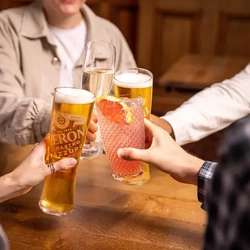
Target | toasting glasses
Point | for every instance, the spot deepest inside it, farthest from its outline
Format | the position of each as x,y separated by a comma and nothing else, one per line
97,77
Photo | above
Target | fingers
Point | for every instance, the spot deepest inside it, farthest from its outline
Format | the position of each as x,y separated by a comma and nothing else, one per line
150,126
130,154
91,136
93,126
65,164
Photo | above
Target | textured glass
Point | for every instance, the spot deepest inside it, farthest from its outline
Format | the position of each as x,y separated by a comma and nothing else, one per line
119,135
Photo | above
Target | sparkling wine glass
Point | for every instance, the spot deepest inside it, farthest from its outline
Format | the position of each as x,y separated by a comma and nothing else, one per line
97,77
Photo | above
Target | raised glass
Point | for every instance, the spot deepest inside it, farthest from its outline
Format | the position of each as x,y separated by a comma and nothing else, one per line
136,81
122,125
71,113
97,77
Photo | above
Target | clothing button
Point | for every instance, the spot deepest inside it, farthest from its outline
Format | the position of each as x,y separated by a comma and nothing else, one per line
55,61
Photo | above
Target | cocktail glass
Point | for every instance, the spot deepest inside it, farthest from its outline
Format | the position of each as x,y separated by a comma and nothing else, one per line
122,125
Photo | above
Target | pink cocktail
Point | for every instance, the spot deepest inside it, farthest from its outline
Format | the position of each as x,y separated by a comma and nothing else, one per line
122,125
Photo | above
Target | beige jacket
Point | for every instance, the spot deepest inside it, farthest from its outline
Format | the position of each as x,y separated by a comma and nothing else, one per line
30,69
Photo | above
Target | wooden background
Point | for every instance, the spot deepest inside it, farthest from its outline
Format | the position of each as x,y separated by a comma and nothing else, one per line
160,32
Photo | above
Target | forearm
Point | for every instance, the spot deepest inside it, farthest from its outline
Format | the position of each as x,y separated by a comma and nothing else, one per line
212,109
23,122
9,188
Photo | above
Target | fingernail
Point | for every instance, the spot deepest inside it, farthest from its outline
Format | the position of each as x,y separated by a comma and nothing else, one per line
120,153
72,161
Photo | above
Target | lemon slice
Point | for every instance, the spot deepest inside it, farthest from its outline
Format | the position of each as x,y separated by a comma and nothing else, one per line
115,109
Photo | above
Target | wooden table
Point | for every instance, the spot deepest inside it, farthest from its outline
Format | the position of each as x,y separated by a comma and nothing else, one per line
108,215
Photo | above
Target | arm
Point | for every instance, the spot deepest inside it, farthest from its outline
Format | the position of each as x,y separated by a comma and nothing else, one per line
212,109
29,173
22,120
165,154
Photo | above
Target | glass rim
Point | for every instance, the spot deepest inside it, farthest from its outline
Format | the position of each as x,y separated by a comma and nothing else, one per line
112,53
119,72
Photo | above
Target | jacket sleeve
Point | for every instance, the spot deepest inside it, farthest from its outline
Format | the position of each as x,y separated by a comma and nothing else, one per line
23,120
212,109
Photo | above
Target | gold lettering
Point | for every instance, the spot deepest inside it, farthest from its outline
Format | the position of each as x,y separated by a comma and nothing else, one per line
72,136
62,138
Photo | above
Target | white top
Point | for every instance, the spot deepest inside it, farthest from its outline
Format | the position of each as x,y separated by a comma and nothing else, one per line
70,45
212,109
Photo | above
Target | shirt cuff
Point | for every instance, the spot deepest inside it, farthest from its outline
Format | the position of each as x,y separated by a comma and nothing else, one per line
204,177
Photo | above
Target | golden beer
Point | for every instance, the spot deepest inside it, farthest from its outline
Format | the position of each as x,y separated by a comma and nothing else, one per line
71,115
136,81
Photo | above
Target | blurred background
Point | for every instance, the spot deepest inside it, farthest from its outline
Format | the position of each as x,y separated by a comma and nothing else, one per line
187,44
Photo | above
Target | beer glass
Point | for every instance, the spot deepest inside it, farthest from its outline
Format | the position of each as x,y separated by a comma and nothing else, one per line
97,77
122,125
136,81
71,114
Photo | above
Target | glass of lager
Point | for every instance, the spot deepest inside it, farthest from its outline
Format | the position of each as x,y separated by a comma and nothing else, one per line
136,81
71,113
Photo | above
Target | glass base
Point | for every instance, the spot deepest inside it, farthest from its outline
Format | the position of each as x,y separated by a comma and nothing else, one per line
92,151
53,212
141,179
135,183
125,179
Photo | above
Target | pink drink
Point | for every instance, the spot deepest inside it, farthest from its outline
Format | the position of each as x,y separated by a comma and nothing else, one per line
117,135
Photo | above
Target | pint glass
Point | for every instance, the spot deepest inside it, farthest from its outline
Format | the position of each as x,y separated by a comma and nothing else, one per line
71,114
136,81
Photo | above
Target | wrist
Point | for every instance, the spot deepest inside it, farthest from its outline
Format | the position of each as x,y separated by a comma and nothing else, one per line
192,169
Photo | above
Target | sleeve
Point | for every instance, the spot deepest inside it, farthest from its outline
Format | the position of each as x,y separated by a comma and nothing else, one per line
22,120
204,177
212,109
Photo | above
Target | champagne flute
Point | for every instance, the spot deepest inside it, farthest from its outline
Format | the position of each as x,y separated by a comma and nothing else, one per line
97,77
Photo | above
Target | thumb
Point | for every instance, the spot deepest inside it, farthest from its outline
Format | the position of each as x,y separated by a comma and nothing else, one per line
65,164
131,154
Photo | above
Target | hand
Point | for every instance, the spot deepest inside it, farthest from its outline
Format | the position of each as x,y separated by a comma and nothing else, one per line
91,136
161,123
33,169
165,154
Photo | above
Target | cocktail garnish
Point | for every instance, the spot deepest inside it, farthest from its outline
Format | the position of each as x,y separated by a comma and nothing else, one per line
115,109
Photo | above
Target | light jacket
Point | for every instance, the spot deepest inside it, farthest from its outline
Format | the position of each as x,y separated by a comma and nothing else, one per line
212,109
30,69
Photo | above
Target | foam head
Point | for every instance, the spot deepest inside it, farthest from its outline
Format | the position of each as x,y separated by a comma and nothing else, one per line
132,79
73,96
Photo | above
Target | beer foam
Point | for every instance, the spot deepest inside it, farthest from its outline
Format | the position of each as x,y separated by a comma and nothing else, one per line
73,96
135,80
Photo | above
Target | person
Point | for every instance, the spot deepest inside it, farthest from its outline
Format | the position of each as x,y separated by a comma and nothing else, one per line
224,187
28,174
228,196
210,110
42,47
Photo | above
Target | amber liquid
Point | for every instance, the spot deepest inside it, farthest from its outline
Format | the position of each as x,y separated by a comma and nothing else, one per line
66,139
